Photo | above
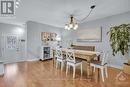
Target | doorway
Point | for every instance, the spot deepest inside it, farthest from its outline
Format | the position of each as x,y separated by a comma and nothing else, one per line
10,48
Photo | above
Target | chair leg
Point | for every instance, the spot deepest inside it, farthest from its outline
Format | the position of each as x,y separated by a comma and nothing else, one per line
102,72
81,69
106,72
62,66
67,69
56,64
73,71
94,69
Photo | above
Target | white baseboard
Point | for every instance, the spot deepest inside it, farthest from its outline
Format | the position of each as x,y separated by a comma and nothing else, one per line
33,60
115,66
14,61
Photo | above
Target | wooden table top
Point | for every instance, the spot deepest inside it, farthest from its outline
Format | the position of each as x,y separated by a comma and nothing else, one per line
82,54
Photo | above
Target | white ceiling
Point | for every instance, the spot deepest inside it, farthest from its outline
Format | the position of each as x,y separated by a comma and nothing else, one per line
56,12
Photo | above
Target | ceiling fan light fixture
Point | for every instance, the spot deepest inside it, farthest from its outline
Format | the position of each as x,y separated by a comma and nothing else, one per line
72,24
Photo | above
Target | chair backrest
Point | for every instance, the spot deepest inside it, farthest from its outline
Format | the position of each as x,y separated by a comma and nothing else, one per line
104,58
70,56
59,54
88,48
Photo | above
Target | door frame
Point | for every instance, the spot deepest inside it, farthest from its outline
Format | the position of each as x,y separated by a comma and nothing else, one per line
5,49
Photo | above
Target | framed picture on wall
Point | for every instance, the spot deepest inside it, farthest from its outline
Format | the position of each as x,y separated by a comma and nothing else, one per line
48,36
11,42
89,35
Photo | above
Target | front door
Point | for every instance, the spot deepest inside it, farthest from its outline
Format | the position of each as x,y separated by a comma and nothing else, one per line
10,48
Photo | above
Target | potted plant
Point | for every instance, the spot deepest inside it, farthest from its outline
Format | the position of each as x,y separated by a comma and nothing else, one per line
120,38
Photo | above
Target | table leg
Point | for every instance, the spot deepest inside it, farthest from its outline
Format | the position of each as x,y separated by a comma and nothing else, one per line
89,74
53,62
98,58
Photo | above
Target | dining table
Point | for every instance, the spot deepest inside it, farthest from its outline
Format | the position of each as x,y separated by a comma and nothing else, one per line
85,55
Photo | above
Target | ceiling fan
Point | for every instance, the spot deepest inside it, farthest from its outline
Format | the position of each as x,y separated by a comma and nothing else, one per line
73,23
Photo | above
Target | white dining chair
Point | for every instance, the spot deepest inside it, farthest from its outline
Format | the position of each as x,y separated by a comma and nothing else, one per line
72,61
59,58
102,65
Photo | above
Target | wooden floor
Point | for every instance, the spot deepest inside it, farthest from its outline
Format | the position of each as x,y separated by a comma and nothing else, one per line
44,74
